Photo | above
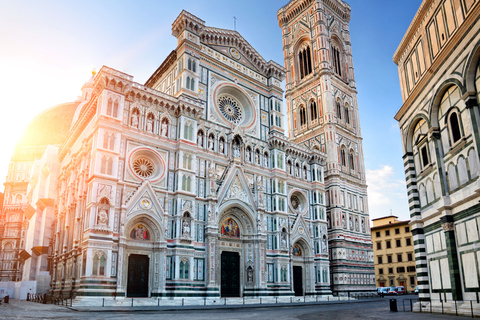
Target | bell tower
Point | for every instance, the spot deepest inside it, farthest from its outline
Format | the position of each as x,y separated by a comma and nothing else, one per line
323,114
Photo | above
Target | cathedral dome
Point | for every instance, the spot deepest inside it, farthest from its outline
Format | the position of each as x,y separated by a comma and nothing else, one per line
49,127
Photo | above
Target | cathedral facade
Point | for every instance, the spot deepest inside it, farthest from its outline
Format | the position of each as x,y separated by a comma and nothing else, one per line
187,186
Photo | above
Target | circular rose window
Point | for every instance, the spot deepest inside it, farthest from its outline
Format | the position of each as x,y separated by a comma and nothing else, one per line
143,167
230,108
234,105
146,163
298,202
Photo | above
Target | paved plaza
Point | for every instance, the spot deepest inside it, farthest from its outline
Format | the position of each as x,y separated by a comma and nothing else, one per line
363,309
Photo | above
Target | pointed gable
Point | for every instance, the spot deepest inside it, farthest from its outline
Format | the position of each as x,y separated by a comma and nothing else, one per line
144,200
236,187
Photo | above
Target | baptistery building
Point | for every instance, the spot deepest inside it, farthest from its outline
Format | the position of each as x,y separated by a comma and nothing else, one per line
195,185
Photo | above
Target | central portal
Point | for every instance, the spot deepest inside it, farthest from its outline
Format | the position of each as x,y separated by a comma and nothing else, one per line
230,274
137,285
297,280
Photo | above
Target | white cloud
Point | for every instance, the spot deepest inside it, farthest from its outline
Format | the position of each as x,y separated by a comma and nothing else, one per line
386,192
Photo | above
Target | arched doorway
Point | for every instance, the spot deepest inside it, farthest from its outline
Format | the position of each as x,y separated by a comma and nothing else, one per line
236,259
139,275
298,269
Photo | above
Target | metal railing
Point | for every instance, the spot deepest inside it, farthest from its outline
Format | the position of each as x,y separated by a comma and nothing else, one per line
48,299
457,307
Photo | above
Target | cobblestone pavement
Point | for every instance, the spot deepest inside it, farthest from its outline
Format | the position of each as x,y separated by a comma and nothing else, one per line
368,309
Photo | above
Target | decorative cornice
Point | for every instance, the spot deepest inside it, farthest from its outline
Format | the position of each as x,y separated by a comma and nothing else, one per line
294,8
164,67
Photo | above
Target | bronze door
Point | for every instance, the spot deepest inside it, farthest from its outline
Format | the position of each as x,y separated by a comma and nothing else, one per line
230,274
297,281
137,285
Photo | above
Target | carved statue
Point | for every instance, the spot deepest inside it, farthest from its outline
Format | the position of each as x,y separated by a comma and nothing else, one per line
265,161
149,125
210,143
102,218
164,129
186,228
135,120
222,146
200,140
257,158
236,151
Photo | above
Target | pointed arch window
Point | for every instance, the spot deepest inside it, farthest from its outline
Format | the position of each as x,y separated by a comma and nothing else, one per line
112,142
303,116
454,127
109,107
347,115
304,62
343,157
336,60
339,111
106,138
115,109
351,161
110,166
103,165
313,111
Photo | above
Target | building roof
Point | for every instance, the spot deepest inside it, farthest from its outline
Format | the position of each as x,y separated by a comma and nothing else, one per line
50,126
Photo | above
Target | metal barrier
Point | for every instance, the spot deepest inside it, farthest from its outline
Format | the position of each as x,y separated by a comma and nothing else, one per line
443,307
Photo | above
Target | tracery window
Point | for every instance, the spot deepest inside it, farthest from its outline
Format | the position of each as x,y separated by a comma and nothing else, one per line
343,157
98,267
184,268
347,115
351,161
304,62
303,116
339,111
313,111
336,60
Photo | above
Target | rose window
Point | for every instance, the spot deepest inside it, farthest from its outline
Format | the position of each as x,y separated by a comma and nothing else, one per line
298,202
143,167
295,202
230,108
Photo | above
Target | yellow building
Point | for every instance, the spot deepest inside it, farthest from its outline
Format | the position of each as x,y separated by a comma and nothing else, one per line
394,253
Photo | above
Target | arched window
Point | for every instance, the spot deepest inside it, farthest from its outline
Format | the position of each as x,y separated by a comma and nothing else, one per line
347,115
454,127
189,64
112,141
342,156
95,266
313,111
188,81
101,270
110,166
103,165
339,111
351,161
194,66
189,184
303,120
336,60
109,107
184,183
106,138
304,62
115,109
184,266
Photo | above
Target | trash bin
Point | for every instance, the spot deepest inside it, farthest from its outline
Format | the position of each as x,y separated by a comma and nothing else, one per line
6,298
393,305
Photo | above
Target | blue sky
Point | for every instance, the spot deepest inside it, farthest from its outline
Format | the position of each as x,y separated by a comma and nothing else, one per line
50,47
